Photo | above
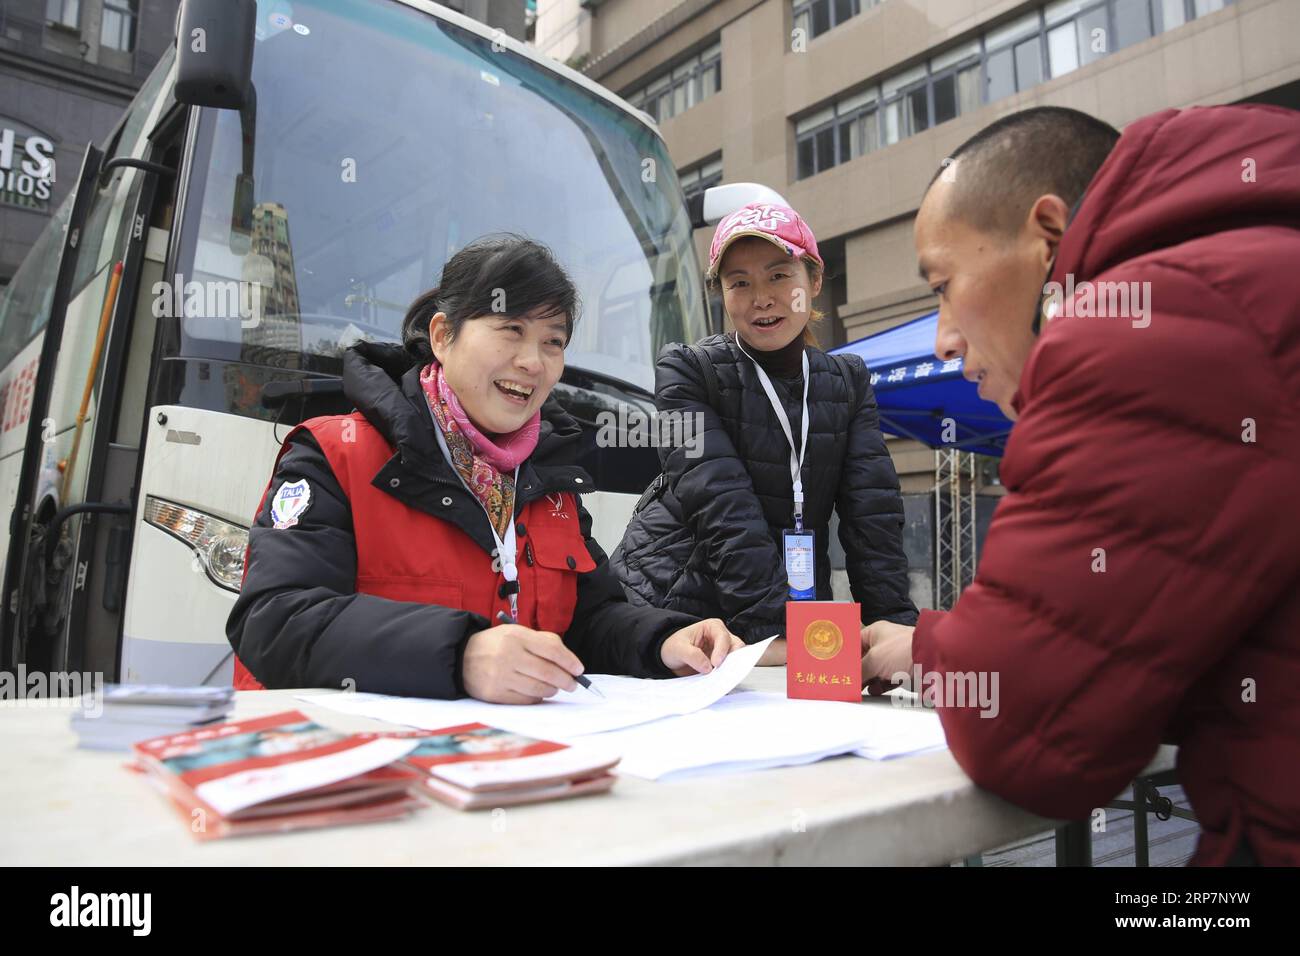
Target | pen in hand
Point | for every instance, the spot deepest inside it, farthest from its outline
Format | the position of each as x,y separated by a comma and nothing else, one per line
504,618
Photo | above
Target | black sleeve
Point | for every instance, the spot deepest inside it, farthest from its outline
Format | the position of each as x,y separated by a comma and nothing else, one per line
870,508
721,509
609,635
299,622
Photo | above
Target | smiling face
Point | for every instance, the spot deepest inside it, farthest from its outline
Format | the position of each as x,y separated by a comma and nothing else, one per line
767,294
501,368
989,287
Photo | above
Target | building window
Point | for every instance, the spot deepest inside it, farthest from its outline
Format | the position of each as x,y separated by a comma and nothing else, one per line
65,13
815,17
1014,57
696,179
840,132
1080,32
117,30
681,87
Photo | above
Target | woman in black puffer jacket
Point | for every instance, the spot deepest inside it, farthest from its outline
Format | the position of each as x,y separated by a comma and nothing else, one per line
708,536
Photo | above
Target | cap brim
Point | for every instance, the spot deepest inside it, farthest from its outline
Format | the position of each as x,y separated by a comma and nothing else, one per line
779,243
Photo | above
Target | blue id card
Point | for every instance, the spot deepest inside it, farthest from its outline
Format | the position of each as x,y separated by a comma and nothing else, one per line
801,565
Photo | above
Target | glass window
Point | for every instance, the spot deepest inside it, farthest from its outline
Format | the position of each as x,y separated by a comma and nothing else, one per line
1132,22
916,112
1173,13
900,80
817,119
1202,7
954,56
852,104
945,98
825,148
845,140
821,17
843,10
519,155
1062,10
117,29
891,131
709,80
863,134
1094,41
25,301
802,23
1016,30
1063,49
968,90
807,163
999,75
1029,64
65,12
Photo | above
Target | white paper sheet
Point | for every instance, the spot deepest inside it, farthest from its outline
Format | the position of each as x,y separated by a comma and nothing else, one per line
753,731
900,730
628,701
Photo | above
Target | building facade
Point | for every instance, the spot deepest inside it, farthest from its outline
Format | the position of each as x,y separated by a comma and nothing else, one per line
68,69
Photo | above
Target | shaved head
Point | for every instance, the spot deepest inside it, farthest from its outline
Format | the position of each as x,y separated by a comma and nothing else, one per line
996,175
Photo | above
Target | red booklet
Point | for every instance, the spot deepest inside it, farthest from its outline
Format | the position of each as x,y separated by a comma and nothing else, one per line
823,650
473,766
282,772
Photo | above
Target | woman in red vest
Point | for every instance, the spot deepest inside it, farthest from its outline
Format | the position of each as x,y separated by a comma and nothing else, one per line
433,542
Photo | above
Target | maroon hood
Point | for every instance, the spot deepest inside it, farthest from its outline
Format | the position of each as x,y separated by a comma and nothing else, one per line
1178,174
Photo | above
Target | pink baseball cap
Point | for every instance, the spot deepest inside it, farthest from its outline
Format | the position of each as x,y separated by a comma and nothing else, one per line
779,225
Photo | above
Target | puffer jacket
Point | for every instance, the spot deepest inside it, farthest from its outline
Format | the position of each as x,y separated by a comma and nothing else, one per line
388,572
1140,582
711,544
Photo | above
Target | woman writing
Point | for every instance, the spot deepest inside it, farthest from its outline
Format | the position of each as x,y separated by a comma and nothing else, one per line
432,543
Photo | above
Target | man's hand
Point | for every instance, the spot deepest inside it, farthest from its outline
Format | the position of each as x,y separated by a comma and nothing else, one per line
888,651
699,648
513,664
774,656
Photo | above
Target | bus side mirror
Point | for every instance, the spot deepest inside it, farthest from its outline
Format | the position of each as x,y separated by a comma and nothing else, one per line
214,52
709,207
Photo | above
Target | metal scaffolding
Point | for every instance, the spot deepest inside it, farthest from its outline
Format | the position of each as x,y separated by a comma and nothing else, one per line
954,524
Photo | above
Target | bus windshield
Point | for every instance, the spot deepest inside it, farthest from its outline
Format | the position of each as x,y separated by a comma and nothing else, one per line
385,140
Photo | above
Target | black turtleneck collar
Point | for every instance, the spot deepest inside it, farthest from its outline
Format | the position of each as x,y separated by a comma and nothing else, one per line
785,362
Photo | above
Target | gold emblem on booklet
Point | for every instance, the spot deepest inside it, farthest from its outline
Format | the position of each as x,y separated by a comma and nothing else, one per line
823,639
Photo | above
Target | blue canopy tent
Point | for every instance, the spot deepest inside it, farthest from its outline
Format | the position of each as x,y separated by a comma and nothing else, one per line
916,392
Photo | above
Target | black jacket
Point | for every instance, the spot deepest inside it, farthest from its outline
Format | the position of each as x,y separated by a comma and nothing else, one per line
712,543
299,622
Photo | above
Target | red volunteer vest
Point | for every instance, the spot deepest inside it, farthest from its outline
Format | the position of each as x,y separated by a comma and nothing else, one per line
406,554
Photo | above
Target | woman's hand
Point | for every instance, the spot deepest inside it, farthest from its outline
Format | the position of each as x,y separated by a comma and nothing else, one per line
774,656
699,648
513,664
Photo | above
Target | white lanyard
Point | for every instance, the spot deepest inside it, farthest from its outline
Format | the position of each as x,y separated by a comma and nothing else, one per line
796,461
506,547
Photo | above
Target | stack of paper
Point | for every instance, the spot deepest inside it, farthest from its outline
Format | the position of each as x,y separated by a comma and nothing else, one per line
132,712
276,773
475,766
667,729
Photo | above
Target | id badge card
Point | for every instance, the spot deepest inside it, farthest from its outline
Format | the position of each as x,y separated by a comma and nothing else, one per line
801,565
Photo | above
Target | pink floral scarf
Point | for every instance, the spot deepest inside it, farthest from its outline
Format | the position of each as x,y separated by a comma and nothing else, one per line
486,466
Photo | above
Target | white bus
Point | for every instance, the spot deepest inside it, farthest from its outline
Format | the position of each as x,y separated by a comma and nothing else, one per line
288,179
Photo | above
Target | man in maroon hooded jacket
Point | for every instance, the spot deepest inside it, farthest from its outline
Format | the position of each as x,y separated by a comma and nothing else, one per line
1133,302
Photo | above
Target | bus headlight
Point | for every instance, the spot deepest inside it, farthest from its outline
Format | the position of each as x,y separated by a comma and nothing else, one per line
218,545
